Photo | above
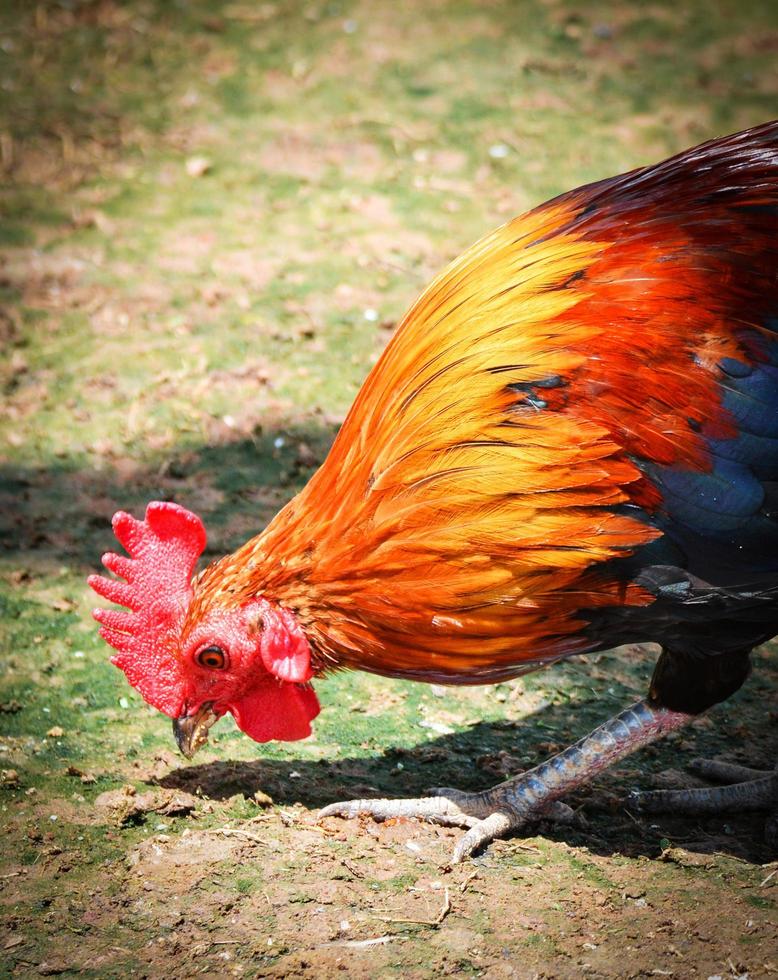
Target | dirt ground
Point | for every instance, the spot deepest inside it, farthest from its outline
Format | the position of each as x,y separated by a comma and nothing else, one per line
213,216
205,875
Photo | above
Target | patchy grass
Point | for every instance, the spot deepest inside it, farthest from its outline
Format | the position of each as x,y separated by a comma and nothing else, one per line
213,214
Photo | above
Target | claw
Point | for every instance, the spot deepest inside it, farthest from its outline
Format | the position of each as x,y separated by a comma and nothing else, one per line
503,822
533,795
453,808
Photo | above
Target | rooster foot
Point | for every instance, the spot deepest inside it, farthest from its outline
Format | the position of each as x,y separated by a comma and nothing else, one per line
743,789
532,795
475,812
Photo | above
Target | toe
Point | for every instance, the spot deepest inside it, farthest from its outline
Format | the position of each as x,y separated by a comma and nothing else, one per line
347,809
469,804
438,809
724,772
561,813
757,794
482,834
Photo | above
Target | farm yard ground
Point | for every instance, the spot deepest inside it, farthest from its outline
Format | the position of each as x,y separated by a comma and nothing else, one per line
213,216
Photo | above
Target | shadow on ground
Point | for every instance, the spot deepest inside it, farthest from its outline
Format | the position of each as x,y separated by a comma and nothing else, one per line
59,512
603,824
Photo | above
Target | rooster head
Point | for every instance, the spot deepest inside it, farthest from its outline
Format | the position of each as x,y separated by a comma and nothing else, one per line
193,661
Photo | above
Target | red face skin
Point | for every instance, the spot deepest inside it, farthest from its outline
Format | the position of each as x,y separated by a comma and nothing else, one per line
255,663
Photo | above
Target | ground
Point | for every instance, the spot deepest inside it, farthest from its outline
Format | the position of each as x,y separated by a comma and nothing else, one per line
213,216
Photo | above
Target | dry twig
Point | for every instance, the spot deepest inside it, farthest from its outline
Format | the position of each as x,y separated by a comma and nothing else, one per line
360,943
466,882
236,832
434,923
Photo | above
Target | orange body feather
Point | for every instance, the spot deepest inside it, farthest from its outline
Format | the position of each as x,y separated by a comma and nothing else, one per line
488,475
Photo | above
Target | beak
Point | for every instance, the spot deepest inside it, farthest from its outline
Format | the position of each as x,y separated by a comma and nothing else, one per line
191,731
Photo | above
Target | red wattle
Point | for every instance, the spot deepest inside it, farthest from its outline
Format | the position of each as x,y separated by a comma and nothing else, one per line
275,710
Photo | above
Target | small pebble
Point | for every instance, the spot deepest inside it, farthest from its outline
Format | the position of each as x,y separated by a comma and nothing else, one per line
198,166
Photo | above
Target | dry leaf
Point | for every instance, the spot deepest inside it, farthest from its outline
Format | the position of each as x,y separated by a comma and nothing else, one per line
63,605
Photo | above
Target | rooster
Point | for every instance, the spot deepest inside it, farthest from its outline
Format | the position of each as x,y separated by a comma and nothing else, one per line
570,443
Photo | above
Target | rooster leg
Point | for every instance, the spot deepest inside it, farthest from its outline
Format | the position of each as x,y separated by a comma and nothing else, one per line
744,789
511,805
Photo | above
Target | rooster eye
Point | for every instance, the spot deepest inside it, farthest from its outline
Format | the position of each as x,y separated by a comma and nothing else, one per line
212,657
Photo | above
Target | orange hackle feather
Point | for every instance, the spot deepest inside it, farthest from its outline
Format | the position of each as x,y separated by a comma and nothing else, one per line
466,511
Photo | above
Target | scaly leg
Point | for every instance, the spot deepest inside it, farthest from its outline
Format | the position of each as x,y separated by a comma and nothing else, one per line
744,789
510,805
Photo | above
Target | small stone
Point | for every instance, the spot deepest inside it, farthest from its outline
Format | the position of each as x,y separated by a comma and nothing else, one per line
49,968
198,166
499,151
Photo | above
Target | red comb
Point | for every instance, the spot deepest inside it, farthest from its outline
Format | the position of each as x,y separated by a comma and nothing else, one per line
163,550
